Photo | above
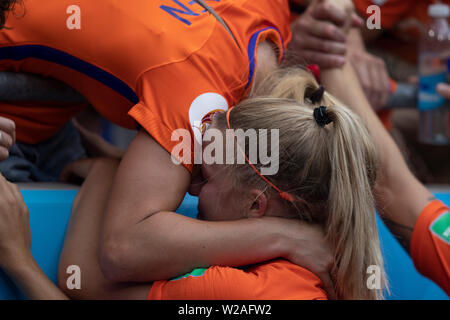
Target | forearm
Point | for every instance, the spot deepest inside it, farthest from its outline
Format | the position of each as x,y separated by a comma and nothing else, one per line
32,281
168,244
30,87
355,40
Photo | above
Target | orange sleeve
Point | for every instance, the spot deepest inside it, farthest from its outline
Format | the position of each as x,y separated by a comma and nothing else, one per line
430,244
391,10
179,99
270,282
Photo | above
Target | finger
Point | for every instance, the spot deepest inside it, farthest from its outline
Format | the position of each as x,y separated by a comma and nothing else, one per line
4,153
8,126
375,85
2,178
328,12
328,286
4,186
325,46
324,60
386,84
380,80
66,173
364,78
444,90
357,21
6,140
77,170
15,190
326,30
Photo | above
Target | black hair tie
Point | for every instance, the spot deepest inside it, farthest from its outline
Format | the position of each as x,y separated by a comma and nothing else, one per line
317,95
321,116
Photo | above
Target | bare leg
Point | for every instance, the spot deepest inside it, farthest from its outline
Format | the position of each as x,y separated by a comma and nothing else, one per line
81,245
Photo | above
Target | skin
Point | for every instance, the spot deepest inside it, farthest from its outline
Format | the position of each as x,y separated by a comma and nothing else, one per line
81,245
371,70
444,90
8,137
320,34
141,196
15,242
142,201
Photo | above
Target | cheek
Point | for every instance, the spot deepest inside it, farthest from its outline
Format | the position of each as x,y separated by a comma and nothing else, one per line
215,204
207,201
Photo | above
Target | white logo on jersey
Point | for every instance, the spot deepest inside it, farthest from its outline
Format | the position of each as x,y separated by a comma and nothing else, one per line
202,108
200,115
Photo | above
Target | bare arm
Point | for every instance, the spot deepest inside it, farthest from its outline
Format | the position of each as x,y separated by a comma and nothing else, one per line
371,70
32,281
15,241
144,240
399,195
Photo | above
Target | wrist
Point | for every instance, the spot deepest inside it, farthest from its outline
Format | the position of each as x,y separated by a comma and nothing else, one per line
278,243
17,262
355,41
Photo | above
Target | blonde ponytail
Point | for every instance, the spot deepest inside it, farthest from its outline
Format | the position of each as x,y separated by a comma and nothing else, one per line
351,225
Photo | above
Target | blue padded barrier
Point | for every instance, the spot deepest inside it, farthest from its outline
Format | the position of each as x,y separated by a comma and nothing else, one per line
50,212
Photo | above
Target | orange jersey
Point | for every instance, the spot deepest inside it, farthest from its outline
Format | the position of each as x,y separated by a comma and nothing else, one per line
162,64
430,244
275,280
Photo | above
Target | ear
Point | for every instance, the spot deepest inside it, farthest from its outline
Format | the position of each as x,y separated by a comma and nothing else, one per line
259,204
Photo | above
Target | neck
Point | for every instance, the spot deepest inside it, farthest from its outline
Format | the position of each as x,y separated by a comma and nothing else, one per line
267,62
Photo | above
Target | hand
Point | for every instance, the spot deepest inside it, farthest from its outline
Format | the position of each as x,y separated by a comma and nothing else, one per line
96,146
444,90
15,234
373,75
308,248
320,34
78,171
7,137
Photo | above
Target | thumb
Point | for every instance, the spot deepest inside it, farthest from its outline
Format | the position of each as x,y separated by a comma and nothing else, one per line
357,21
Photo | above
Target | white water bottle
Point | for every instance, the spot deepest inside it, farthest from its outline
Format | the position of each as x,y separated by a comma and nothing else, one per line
434,54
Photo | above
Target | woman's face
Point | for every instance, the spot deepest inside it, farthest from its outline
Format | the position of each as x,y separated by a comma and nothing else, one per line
217,200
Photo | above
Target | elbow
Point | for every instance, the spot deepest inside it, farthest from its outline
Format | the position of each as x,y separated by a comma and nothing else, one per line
113,259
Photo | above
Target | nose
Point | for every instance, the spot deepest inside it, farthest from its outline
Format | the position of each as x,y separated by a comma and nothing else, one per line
197,183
